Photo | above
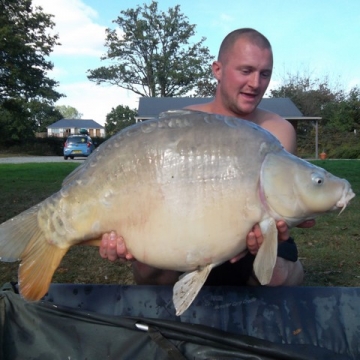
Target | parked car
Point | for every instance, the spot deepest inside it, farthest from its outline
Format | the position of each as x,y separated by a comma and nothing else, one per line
78,146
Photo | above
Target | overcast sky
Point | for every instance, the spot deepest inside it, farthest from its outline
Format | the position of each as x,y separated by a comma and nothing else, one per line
321,37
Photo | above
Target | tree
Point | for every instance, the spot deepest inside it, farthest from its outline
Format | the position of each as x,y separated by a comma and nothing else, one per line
344,115
152,53
309,94
206,87
25,43
43,115
69,112
118,119
13,128
340,113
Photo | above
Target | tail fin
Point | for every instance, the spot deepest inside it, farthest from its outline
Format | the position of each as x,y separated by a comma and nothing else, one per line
16,233
22,239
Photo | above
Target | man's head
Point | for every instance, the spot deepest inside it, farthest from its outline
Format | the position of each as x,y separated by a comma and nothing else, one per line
243,71
251,35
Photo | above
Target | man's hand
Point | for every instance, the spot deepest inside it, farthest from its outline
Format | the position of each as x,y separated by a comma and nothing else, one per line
255,237
113,247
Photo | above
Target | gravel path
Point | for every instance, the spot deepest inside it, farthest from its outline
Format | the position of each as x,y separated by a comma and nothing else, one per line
36,159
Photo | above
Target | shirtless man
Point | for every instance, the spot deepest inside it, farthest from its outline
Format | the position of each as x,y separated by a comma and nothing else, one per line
243,71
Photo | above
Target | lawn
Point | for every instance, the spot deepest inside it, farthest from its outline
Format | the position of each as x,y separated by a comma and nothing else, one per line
330,251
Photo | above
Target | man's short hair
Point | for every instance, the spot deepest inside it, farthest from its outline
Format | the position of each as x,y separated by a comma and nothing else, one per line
254,36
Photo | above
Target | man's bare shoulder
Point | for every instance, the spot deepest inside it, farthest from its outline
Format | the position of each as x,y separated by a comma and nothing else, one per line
262,117
268,119
278,126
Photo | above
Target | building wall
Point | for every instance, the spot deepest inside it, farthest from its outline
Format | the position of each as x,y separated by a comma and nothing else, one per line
63,133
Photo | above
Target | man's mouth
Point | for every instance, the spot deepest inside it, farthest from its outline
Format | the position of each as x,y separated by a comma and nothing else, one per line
249,95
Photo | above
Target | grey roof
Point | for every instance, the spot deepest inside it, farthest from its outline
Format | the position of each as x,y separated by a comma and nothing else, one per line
75,123
281,106
150,107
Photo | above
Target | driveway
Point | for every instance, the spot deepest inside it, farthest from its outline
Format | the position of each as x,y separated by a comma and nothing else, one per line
36,159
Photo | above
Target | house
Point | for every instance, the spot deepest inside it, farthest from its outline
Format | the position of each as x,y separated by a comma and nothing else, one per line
65,127
151,107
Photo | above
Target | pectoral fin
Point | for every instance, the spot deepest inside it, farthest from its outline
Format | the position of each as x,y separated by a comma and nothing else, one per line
266,257
188,286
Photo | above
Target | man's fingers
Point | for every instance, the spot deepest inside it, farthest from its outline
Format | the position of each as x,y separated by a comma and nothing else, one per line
112,253
113,247
254,240
258,234
283,230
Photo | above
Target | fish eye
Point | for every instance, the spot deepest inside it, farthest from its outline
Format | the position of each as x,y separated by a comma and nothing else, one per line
317,179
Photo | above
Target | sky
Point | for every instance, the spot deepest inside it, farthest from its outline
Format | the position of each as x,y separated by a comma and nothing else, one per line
320,38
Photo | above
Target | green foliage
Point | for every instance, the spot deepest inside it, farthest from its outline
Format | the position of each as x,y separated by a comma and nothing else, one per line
34,146
68,112
13,128
152,53
118,119
346,151
25,42
344,114
43,114
308,94
206,87
340,113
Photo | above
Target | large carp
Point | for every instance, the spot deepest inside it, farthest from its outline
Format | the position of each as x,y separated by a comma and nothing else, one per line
184,190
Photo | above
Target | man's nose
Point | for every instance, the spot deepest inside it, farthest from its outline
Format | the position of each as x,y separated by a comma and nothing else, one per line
254,80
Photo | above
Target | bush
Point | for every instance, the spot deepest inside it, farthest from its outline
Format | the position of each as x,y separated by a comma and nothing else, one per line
49,146
345,151
98,140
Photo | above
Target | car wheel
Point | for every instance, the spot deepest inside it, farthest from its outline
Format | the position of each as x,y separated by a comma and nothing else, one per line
71,157
65,157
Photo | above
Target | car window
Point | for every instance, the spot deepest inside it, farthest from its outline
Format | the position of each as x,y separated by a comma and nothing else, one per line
77,140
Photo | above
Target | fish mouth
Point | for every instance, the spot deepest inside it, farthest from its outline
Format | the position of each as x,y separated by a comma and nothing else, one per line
348,194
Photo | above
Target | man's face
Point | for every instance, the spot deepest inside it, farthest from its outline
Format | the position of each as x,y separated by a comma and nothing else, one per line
243,76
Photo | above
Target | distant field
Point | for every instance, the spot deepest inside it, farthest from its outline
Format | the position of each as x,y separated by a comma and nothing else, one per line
330,251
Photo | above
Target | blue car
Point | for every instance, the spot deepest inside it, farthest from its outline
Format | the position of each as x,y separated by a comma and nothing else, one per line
78,146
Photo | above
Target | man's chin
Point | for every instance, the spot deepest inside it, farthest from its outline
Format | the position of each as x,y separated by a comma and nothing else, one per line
245,109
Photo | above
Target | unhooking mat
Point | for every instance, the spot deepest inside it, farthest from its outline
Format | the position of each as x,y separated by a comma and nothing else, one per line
138,322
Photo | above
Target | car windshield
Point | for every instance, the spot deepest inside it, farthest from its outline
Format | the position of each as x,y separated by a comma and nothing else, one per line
77,140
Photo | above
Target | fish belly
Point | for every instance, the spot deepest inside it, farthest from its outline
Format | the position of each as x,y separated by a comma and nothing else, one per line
182,230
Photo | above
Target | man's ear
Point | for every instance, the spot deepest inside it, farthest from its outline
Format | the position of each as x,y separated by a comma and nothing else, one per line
216,69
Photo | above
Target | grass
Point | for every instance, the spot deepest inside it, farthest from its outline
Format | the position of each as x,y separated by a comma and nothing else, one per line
330,251
25,185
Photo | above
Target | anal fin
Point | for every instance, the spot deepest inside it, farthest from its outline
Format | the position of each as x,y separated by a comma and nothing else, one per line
188,286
